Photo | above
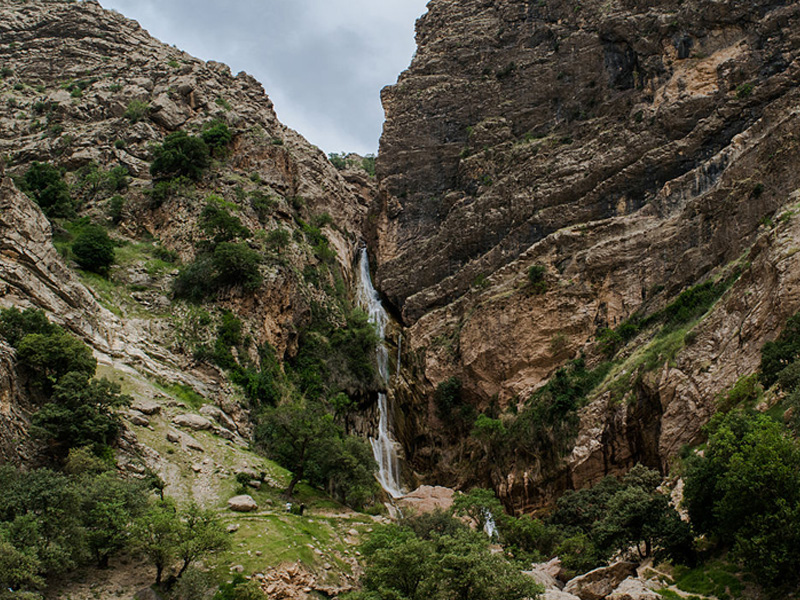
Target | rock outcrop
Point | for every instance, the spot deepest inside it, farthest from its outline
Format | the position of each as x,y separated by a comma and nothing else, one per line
629,151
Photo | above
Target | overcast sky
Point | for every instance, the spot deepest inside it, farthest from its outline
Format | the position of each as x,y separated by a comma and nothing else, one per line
322,62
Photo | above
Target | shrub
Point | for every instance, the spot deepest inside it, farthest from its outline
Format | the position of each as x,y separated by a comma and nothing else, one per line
262,204
338,160
115,207
80,414
216,134
93,249
136,111
16,324
180,155
536,279
236,264
44,183
778,355
219,224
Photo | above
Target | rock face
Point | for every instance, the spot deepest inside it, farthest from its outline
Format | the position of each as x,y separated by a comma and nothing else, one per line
631,151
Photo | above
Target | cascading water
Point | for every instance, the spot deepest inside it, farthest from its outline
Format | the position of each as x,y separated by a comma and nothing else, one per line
384,447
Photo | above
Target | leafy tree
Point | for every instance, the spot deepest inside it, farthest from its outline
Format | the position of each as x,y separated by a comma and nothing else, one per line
201,534
236,264
157,535
298,435
48,357
456,565
480,505
16,324
219,224
180,155
81,413
44,183
745,490
93,249
18,571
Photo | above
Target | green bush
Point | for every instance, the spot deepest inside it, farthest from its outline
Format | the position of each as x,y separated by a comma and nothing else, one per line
219,224
216,134
116,205
236,265
181,155
43,182
80,414
536,279
93,249
16,324
137,110
780,354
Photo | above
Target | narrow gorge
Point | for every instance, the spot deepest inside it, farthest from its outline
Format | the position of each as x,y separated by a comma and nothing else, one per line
565,291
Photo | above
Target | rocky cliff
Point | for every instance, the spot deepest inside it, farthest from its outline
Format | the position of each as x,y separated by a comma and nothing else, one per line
92,93
628,150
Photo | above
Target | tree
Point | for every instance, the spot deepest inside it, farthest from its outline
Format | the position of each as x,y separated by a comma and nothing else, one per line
219,224
108,506
16,324
181,155
18,571
93,249
201,534
80,413
297,434
236,264
48,357
44,183
450,563
156,535
216,135
777,355
480,505
745,490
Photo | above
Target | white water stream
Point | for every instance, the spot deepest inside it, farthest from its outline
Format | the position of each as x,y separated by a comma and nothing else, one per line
384,447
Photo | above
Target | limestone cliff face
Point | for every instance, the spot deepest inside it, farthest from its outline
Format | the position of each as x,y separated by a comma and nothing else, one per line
630,149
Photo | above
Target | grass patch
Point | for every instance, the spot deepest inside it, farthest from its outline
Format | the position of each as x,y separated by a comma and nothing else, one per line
716,578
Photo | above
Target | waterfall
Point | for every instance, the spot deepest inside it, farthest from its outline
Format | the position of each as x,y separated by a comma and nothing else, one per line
384,447
489,525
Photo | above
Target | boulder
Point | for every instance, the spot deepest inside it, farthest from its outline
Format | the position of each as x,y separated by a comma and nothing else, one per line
139,420
147,407
191,421
147,593
633,589
173,436
214,412
599,583
558,595
242,503
546,574
426,499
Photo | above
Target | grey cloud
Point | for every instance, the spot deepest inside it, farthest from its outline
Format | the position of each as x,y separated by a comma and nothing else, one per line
323,62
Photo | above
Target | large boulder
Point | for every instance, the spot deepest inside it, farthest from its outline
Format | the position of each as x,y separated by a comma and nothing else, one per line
426,499
633,589
242,503
191,421
598,584
558,595
546,574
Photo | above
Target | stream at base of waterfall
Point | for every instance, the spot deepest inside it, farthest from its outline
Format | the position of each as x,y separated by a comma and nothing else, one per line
384,447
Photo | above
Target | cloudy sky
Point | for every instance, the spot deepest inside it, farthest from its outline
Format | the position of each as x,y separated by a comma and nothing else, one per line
322,62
